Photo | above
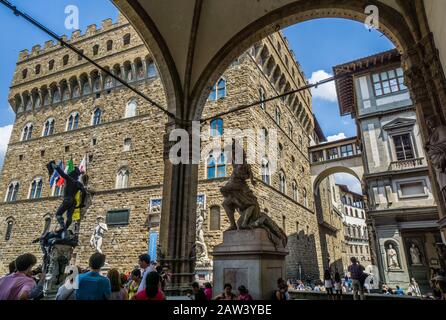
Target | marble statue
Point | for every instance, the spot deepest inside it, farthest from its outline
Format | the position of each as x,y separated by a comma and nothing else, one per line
201,248
392,257
415,254
98,234
436,151
239,197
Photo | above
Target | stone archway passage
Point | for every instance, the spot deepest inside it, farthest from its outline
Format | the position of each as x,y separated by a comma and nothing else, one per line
193,52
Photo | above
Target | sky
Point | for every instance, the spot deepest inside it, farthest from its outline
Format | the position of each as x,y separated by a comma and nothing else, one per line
318,45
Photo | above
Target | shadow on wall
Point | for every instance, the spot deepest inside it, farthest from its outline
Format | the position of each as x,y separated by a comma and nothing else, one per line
302,261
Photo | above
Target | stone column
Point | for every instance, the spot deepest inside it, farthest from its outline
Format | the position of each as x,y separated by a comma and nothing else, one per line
178,217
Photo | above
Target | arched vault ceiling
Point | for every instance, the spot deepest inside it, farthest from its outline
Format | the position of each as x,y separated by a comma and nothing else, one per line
219,21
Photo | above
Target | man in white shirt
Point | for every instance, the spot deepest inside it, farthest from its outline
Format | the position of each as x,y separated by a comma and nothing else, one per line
144,263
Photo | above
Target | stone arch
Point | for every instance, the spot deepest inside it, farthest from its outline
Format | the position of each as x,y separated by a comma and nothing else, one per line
392,24
332,170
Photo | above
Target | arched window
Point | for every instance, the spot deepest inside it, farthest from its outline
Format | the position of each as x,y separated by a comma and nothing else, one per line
262,97
151,69
282,182
48,127
264,135
265,171
277,116
127,144
27,132
109,45
13,191
295,191
221,88
280,151
218,90
122,178
73,122
51,65
65,59
35,191
24,73
95,49
130,109
214,220
97,116
108,82
216,168
216,127
126,39
57,188
9,225
38,69
86,88
304,194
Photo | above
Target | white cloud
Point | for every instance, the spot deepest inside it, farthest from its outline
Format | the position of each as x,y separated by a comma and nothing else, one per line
5,134
350,181
335,137
326,91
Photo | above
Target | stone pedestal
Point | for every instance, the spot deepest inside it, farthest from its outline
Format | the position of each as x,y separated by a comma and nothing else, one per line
60,257
249,258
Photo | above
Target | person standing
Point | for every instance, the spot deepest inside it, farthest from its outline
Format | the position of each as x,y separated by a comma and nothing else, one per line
399,291
414,288
134,283
117,291
152,289
328,284
198,292
20,285
92,285
147,267
356,271
208,291
244,294
338,286
227,293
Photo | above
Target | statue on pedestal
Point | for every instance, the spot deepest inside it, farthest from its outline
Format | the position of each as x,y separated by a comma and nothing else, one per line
436,151
239,197
392,257
415,255
98,234
201,250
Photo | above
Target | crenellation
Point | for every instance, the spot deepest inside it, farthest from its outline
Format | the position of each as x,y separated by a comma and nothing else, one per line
48,44
107,23
23,55
75,35
91,29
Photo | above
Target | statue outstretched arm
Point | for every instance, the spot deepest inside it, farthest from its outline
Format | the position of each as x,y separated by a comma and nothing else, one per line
64,175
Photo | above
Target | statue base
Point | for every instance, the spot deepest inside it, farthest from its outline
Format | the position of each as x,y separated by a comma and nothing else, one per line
60,257
249,258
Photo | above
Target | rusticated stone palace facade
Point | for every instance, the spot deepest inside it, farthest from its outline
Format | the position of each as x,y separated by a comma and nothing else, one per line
68,109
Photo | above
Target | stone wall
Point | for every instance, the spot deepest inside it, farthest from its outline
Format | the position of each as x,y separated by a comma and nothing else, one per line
103,145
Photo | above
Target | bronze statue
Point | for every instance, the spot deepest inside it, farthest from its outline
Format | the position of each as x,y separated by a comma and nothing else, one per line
239,197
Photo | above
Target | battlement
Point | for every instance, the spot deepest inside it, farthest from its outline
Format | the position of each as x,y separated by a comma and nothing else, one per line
91,31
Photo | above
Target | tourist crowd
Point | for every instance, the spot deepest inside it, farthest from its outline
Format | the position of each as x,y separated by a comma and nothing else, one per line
148,281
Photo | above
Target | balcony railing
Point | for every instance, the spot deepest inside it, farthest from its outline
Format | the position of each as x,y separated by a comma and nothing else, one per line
406,164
